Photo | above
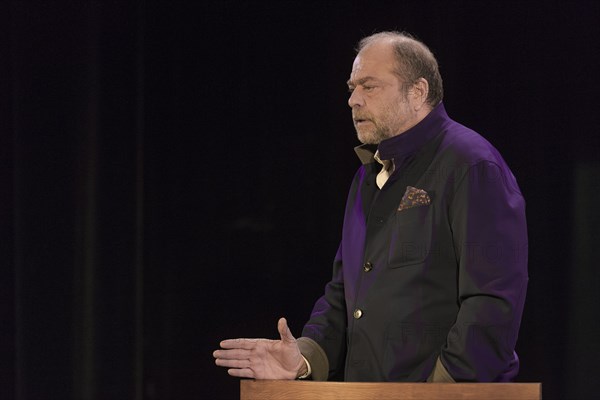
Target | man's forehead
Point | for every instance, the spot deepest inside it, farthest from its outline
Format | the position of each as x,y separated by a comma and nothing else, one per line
381,50
373,61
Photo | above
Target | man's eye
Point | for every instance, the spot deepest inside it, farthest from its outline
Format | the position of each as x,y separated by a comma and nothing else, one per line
350,89
368,88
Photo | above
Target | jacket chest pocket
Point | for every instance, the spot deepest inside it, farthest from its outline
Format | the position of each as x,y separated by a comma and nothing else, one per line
410,238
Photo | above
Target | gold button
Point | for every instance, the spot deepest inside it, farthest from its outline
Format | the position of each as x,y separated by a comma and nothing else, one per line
357,313
367,267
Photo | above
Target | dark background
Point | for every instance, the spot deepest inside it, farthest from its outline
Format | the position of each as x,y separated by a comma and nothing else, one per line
174,173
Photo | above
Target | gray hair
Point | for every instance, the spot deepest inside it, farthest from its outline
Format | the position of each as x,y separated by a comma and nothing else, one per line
414,60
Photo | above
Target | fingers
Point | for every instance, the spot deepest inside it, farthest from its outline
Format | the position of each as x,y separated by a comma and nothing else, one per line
237,364
284,331
247,344
235,354
260,358
241,373
236,360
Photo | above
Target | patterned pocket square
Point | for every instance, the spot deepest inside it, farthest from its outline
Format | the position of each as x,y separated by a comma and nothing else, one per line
414,197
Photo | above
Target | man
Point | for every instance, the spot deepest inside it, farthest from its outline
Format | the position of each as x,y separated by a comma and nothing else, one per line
430,277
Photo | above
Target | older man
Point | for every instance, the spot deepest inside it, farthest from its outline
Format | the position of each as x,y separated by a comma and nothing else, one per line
430,277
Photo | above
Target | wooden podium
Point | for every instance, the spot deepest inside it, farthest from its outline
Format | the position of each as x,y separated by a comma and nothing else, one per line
309,390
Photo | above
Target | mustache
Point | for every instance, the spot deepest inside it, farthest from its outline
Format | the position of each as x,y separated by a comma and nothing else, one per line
361,117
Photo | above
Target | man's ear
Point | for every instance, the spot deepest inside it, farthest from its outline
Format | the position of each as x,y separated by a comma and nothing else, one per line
420,92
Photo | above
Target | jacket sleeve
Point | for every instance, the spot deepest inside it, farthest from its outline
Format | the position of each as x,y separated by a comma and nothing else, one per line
323,340
487,217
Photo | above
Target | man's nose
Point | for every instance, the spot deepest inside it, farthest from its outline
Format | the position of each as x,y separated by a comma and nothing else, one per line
355,98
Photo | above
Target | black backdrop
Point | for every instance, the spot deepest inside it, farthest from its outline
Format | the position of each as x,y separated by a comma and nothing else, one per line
174,174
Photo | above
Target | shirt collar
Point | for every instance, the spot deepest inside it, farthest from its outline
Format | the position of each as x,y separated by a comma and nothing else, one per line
408,142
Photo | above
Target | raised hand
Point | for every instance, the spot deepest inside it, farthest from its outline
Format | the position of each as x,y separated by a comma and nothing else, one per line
262,358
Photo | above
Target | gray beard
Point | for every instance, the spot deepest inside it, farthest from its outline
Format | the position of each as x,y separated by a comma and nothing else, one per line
377,137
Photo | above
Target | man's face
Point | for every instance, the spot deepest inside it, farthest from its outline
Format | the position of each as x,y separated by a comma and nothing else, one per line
380,107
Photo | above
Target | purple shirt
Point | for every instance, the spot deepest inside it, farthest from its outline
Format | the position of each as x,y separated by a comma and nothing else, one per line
432,265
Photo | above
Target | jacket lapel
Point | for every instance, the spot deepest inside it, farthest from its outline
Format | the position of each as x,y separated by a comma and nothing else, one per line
386,202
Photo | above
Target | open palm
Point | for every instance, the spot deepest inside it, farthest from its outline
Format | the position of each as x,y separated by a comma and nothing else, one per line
262,358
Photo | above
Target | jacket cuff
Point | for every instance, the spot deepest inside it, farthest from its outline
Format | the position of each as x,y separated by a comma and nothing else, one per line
316,357
440,374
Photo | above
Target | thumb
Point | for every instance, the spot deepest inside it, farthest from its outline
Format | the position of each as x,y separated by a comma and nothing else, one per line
284,331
